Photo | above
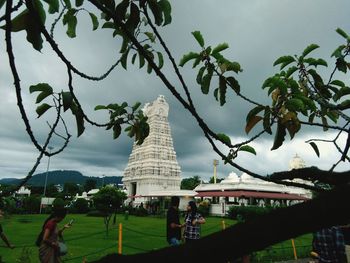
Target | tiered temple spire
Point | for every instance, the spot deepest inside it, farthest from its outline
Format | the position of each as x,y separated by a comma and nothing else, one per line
153,166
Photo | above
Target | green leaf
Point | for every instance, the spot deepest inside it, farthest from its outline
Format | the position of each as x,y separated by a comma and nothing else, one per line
224,138
279,137
309,49
19,23
222,90
247,148
342,92
160,60
79,118
157,12
314,146
338,52
206,81
295,104
2,2
54,6
150,36
79,3
266,121
284,60
40,87
100,107
338,83
116,130
71,21
40,110
136,106
290,71
220,48
166,8
67,100
196,62
316,62
341,64
333,115
200,75
67,4
342,33
42,95
187,58
94,21
198,36
254,112
124,59
234,84
133,59
344,105
141,60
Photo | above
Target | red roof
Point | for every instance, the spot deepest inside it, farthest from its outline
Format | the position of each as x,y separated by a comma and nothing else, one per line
254,194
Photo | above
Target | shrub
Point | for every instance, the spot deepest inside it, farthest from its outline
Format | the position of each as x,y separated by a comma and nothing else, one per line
203,208
81,206
242,213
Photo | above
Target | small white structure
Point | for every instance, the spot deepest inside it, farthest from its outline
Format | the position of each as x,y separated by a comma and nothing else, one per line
23,191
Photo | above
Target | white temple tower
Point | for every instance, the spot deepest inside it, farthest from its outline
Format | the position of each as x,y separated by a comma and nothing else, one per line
152,166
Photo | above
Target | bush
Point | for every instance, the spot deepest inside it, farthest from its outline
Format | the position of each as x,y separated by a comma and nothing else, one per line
242,213
203,208
80,206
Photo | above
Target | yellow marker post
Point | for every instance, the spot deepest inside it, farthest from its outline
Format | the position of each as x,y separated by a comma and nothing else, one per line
223,225
120,239
294,250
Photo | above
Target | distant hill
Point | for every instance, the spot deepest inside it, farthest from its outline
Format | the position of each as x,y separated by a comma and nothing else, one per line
61,177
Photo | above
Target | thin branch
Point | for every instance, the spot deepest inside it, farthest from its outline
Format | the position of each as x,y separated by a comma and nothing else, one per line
15,8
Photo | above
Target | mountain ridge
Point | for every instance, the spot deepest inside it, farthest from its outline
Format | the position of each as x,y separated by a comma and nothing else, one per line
61,177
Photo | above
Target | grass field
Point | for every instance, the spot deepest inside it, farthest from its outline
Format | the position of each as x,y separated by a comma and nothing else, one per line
87,237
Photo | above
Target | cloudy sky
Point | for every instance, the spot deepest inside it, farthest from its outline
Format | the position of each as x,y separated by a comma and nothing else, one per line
257,32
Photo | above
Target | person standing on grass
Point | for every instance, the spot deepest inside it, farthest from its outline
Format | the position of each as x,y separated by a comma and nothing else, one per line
48,239
329,245
2,234
173,229
193,220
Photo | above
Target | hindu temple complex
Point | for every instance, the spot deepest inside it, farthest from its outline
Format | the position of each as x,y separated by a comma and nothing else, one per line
153,172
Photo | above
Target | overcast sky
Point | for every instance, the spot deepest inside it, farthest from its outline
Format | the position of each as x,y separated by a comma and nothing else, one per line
257,32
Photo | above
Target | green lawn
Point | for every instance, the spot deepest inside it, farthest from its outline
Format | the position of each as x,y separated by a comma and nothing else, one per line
87,237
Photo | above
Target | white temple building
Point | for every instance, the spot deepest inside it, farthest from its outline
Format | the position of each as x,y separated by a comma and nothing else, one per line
247,190
153,170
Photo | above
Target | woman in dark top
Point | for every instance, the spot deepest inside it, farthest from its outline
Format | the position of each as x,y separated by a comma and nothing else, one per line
193,220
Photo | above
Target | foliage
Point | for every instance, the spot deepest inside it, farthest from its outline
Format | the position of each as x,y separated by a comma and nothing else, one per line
218,180
203,208
58,203
89,184
80,206
31,204
108,200
190,183
243,213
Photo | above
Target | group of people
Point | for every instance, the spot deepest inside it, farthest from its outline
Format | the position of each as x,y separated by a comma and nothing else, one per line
49,239
189,231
